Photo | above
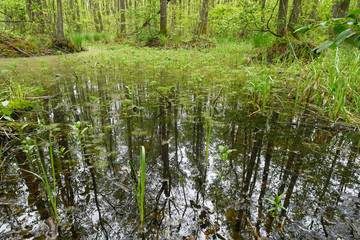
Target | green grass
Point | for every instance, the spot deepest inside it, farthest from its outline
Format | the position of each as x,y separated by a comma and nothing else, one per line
139,189
49,187
77,39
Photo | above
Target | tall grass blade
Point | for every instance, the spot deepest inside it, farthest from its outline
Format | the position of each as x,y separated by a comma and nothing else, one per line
140,188
142,176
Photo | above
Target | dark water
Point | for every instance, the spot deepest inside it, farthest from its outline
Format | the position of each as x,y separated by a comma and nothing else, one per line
315,165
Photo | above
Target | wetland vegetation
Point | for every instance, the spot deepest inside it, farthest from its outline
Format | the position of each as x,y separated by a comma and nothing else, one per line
248,116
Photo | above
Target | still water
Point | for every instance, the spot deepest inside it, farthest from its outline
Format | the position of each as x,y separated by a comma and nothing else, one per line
312,164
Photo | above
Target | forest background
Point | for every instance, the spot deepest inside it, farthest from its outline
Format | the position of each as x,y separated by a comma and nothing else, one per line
167,19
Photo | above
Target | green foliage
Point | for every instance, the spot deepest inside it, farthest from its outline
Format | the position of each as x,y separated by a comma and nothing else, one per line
224,19
5,112
163,39
347,30
224,157
77,39
262,39
276,204
80,130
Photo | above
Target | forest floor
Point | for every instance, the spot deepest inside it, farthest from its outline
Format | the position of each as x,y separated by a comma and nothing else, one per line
11,46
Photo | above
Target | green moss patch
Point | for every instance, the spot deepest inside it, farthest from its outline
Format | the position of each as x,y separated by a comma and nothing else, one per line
20,105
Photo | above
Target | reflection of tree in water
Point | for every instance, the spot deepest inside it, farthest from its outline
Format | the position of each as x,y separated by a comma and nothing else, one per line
315,168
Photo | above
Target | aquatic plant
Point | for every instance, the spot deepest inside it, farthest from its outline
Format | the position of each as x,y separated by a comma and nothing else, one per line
224,157
140,188
276,204
79,130
29,144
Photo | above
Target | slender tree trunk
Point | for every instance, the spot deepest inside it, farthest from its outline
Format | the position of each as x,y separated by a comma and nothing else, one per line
122,17
163,17
204,17
173,16
100,18
60,21
340,8
96,19
29,10
72,13
295,13
313,9
283,7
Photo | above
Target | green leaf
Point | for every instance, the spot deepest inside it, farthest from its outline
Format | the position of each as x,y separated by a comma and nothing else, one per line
222,149
304,29
272,209
282,207
231,150
354,14
5,103
321,47
6,111
340,28
281,196
271,200
9,118
342,36
84,130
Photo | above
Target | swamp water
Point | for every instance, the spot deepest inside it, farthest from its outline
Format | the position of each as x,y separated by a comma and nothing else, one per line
315,166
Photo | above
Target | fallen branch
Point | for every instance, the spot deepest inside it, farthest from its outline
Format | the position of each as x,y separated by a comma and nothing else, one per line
42,97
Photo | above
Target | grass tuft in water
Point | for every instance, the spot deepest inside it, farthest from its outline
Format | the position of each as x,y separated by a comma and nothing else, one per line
140,188
28,145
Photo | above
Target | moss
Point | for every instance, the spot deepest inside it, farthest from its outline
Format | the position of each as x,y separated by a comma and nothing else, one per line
20,105
19,45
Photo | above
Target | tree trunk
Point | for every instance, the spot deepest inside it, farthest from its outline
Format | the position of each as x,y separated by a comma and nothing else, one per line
96,19
283,7
122,17
340,8
173,16
204,17
100,18
29,10
163,17
60,22
295,12
313,9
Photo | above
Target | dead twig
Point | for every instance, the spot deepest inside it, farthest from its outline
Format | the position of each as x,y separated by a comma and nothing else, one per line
252,227
218,95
